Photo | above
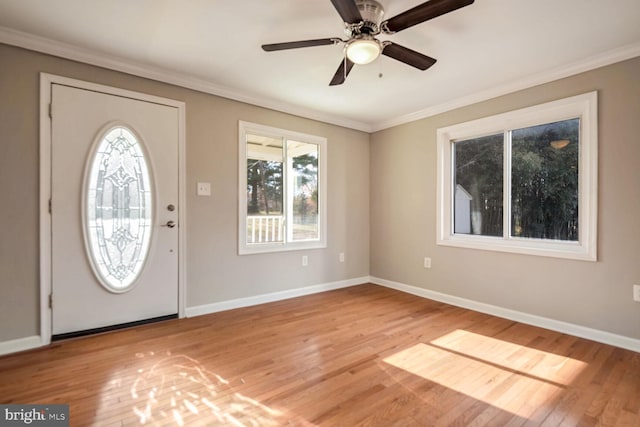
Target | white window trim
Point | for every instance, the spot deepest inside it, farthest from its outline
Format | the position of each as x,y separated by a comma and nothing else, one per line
321,242
581,106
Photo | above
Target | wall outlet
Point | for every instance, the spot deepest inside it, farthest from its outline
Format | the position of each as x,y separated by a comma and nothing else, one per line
427,262
341,257
305,260
204,189
636,293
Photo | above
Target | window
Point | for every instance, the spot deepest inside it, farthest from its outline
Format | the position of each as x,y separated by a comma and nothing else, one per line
282,190
118,209
523,181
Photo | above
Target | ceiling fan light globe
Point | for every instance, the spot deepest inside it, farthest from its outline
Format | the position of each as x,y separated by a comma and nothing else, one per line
363,52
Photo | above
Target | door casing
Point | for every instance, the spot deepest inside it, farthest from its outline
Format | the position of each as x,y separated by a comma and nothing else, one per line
46,80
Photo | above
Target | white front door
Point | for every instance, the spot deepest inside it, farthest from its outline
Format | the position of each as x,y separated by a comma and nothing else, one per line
114,209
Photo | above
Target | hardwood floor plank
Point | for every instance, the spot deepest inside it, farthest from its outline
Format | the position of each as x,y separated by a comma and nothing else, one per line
359,356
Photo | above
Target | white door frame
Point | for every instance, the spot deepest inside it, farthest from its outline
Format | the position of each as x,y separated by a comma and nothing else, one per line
46,81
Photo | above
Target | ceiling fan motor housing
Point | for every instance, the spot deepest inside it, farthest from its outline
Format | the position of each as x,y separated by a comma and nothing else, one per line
372,13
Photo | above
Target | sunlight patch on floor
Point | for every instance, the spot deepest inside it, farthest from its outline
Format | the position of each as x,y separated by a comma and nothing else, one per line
490,370
178,390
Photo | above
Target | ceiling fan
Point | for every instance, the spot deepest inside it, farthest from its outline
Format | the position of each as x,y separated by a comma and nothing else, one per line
363,21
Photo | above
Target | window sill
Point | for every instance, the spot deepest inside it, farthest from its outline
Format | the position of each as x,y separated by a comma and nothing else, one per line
264,248
537,247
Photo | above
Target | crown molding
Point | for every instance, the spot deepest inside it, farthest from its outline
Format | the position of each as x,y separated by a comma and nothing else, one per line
68,51
607,58
64,50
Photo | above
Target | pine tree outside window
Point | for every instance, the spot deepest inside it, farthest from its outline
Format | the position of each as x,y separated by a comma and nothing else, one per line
282,190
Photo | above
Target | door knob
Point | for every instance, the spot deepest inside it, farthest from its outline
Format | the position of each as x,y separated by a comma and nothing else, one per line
169,224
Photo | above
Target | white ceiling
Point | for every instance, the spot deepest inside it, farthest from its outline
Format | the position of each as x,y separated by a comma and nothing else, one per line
487,49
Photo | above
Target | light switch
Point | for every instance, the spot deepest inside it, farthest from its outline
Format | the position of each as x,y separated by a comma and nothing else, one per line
204,189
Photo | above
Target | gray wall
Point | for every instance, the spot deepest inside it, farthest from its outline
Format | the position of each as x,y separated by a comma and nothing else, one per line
215,272
383,221
591,294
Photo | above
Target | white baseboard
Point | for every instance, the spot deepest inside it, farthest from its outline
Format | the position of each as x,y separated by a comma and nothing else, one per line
271,297
27,343
529,319
20,344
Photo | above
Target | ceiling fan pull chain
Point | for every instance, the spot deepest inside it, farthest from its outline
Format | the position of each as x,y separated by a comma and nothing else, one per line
344,60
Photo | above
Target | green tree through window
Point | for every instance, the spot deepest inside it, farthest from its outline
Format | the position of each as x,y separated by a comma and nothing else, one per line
544,181
282,181
523,181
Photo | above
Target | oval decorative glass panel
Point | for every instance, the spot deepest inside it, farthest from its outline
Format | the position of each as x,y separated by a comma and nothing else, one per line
118,209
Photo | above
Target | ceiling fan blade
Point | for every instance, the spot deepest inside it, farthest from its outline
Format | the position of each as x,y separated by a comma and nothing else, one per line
408,56
302,43
421,13
348,11
341,74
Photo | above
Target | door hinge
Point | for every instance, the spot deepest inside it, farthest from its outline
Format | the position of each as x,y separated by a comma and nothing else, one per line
50,110
50,300
49,205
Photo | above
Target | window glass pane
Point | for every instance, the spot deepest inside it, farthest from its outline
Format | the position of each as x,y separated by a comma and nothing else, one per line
478,186
118,209
265,221
303,158
283,206
544,181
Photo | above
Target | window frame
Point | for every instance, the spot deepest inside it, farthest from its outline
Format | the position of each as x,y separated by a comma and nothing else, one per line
582,106
245,248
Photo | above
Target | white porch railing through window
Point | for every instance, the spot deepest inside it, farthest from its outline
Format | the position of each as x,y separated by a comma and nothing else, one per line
265,229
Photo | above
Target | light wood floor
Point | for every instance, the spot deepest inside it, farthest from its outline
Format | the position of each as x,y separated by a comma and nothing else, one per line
364,355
